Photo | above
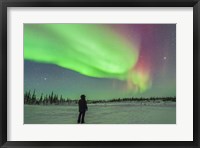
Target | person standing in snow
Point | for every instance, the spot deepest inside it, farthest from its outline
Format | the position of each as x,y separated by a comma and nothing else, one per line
82,109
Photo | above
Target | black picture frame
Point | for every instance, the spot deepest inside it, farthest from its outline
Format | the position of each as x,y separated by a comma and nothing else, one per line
4,4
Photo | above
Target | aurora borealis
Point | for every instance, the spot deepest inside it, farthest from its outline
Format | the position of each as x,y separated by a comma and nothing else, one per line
100,60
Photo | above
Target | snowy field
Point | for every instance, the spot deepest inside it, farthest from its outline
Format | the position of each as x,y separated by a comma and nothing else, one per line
110,113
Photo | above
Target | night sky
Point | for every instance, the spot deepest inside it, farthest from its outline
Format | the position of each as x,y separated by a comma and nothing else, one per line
102,61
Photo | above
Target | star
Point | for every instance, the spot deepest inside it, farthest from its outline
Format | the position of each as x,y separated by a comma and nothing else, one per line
165,58
45,79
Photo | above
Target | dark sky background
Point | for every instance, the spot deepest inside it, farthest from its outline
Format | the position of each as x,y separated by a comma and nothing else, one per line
157,59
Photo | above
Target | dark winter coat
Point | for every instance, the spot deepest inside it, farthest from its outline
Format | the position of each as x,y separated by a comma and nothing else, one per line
82,105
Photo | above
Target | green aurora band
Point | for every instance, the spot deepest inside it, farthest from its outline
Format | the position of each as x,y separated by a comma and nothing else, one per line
92,50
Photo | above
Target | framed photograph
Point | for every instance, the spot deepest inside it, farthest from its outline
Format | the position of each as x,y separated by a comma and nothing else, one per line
95,73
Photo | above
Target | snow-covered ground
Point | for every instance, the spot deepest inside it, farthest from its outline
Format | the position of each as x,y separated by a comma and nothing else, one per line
110,113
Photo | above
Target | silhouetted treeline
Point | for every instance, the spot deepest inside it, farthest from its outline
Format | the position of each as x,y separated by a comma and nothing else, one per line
30,98
53,99
155,99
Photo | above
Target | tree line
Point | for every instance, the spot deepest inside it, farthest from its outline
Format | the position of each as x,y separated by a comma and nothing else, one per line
53,99
30,98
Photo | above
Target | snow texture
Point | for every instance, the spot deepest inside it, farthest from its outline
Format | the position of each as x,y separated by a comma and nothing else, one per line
110,113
